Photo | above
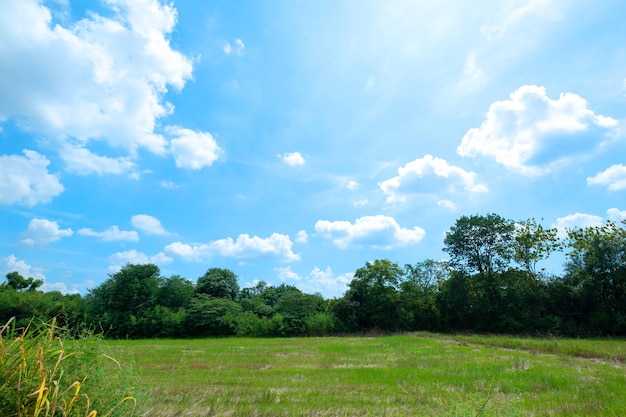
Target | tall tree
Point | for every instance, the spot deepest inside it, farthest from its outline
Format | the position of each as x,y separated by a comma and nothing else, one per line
420,290
123,302
175,292
480,243
19,283
375,293
597,264
533,243
218,283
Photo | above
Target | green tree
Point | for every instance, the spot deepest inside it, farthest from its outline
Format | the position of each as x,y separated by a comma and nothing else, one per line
344,312
123,303
454,302
19,283
296,308
218,283
175,292
597,268
533,243
374,292
480,243
419,293
208,315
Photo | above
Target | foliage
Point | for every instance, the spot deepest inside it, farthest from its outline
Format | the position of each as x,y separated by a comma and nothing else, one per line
479,289
41,376
19,283
218,283
480,243
375,290
597,273
209,315
533,243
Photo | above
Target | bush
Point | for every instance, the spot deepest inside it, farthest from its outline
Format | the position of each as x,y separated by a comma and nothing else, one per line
40,376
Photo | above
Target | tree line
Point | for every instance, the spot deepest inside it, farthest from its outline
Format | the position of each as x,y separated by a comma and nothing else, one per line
491,283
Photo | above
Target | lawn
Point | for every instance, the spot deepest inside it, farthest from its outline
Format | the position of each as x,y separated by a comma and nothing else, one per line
403,375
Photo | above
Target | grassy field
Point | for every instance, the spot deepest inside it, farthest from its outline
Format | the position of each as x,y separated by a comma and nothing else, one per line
406,375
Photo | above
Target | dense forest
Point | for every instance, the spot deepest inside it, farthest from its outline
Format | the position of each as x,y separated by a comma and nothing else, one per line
491,283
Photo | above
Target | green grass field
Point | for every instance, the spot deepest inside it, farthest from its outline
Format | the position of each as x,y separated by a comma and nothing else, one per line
406,375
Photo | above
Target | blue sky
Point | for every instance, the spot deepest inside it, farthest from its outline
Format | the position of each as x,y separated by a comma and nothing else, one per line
293,141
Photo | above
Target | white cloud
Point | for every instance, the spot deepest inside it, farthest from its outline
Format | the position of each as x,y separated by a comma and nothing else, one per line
41,232
292,159
382,232
251,247
83,162
302,236
616,215
169,185
531,133
576,220
111,234
25,179
192,149
61,287
352,185
286,274
119,259
11,263
244,247
100,78
447,204
416,177
239,46
319,280
613,177
360,203
148,224
238,49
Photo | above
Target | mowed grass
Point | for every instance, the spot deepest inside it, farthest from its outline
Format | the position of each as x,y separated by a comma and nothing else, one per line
405,375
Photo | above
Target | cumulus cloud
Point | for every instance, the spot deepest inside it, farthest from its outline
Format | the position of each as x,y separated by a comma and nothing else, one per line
244,247
576,220
293,159
286,274
192,149
11,263
102,78
42,232
119,259
323,281
614,178
616,215
532,133
111,234
25,179
302,236
83,162
381,232
447,204
352,185
417,176
148,224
